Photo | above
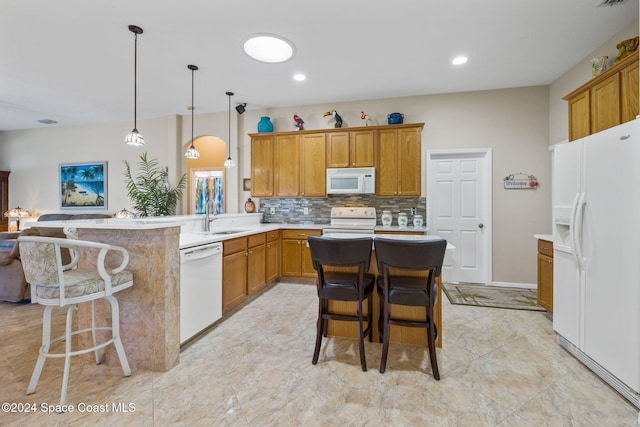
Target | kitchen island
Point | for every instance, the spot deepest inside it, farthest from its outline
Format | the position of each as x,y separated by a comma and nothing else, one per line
399,334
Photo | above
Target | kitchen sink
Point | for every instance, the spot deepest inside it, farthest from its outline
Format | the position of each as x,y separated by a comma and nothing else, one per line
220,232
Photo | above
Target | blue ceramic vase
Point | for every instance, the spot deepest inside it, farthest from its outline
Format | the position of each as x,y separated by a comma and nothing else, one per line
265,125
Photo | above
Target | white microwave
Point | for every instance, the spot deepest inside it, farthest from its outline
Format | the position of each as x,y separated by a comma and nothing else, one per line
351,180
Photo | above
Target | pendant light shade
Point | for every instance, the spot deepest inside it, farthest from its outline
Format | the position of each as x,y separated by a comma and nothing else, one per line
229,163
134,138
192,153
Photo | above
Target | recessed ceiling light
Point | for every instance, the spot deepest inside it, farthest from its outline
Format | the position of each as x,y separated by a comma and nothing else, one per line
268,48
459,60
299,77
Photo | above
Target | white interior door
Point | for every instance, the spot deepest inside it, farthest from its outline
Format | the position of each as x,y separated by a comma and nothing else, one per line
459,210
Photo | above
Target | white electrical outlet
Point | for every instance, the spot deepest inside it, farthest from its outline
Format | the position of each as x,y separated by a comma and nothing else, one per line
272,211
305,211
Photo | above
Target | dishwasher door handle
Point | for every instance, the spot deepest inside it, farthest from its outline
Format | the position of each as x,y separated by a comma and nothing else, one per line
194,254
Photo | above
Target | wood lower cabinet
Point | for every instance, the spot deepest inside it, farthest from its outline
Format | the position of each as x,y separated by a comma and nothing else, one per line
545,274
607,100
234,272
272,263
296,256
256,262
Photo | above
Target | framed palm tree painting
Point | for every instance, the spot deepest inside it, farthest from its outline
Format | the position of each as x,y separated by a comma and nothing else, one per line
83,185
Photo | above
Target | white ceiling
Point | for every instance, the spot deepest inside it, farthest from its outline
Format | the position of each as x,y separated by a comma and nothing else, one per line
72,60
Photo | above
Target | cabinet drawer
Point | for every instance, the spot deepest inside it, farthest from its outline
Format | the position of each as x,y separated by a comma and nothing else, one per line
300,234
545,247
256,239
272,236
234,245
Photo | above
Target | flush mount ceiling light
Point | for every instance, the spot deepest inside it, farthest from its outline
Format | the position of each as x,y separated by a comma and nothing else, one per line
134,138
268,48
299,77
459,60
192,153
229,163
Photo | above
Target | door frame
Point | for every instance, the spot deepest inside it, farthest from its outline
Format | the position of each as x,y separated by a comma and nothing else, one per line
485,154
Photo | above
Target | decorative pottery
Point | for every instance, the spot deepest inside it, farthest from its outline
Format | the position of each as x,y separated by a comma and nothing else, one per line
417,221
627,47
387,218
598,65
395,118
249,206
403,220
265,125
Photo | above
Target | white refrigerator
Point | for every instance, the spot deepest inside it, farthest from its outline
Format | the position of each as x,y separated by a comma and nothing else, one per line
596,240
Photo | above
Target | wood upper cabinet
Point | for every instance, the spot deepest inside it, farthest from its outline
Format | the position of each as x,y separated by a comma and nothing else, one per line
353,149
262,155
629,81
293,164
313,181
287,165
580,116
398,162
605,104
607,100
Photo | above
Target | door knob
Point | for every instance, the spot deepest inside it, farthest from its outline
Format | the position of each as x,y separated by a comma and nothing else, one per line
480,225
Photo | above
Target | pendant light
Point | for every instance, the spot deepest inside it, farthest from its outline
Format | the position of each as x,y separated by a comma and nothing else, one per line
229,163
192,153
134,138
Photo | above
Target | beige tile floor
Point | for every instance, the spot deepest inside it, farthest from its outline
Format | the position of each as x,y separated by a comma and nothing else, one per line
498,367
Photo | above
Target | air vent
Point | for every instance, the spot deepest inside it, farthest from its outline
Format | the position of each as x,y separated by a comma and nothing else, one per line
47,121
611,2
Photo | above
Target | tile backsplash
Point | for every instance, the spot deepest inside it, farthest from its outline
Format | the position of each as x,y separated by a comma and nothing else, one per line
291,211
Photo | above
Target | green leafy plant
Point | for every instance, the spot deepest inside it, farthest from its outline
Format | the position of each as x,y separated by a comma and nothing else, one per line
149,190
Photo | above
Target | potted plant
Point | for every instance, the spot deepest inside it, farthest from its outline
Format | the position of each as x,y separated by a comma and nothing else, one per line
149,190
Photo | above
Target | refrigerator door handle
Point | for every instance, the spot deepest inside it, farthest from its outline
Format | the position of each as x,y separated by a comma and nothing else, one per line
572,227
578,231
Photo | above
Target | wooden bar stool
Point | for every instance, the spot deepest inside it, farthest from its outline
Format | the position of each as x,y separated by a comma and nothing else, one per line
54,284
343,286
394,287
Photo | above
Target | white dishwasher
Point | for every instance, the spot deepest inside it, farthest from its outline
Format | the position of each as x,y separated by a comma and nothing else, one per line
200,288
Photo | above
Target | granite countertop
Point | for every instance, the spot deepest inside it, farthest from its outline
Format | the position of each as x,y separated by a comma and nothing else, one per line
547,237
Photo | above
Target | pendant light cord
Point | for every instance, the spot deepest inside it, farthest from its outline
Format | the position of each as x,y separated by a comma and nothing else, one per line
192,107
135,83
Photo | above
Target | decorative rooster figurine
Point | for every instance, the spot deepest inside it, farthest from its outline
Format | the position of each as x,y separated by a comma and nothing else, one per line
336,117
364,116
299,122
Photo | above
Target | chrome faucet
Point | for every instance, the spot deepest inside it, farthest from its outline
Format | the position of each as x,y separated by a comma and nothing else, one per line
207,215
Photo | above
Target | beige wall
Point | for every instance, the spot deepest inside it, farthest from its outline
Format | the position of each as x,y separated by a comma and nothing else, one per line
576,77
